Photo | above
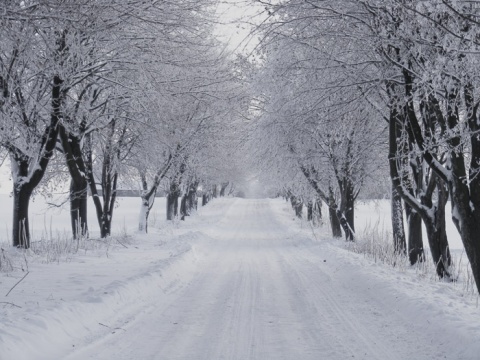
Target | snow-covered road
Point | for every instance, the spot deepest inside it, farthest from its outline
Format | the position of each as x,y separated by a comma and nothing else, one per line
261,290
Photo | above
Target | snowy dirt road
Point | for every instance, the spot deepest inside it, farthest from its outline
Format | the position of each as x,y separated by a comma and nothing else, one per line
263,291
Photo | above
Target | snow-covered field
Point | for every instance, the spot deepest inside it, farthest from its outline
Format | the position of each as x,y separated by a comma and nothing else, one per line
242,279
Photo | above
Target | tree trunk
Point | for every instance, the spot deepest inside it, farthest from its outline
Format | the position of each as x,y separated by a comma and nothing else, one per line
398,229
348,209
437,234
109,182
317,212
171,197
204,199
175,205
106,226
437,239
223,187
21,229
191,201
78,182
183,207
310,211
415,237
469,229
334,223
172,200
78,208
143,217
297,205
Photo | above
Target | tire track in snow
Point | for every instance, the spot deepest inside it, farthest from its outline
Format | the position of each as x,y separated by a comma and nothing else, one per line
259,293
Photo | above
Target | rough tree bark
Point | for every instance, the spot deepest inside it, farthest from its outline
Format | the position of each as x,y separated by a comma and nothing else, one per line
398,229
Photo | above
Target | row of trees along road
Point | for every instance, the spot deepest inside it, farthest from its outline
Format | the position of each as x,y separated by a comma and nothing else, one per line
111,90
348,88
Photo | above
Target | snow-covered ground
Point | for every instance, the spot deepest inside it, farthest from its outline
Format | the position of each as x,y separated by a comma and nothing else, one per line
242,279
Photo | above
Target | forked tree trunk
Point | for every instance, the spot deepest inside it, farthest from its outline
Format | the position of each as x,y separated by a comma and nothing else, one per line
148,194
28,172
78,182
109,179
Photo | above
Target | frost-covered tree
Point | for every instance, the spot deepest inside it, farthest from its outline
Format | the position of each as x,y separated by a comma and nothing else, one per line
314,90
425,68
37,71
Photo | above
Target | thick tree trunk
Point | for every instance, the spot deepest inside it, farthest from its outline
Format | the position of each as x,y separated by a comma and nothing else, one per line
21,229
106,225
469,229
78,208
437,239
415,236
204,199
345,213
171,200
437,234
334,223
349,234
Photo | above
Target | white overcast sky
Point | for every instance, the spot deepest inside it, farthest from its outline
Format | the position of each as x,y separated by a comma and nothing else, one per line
236,19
